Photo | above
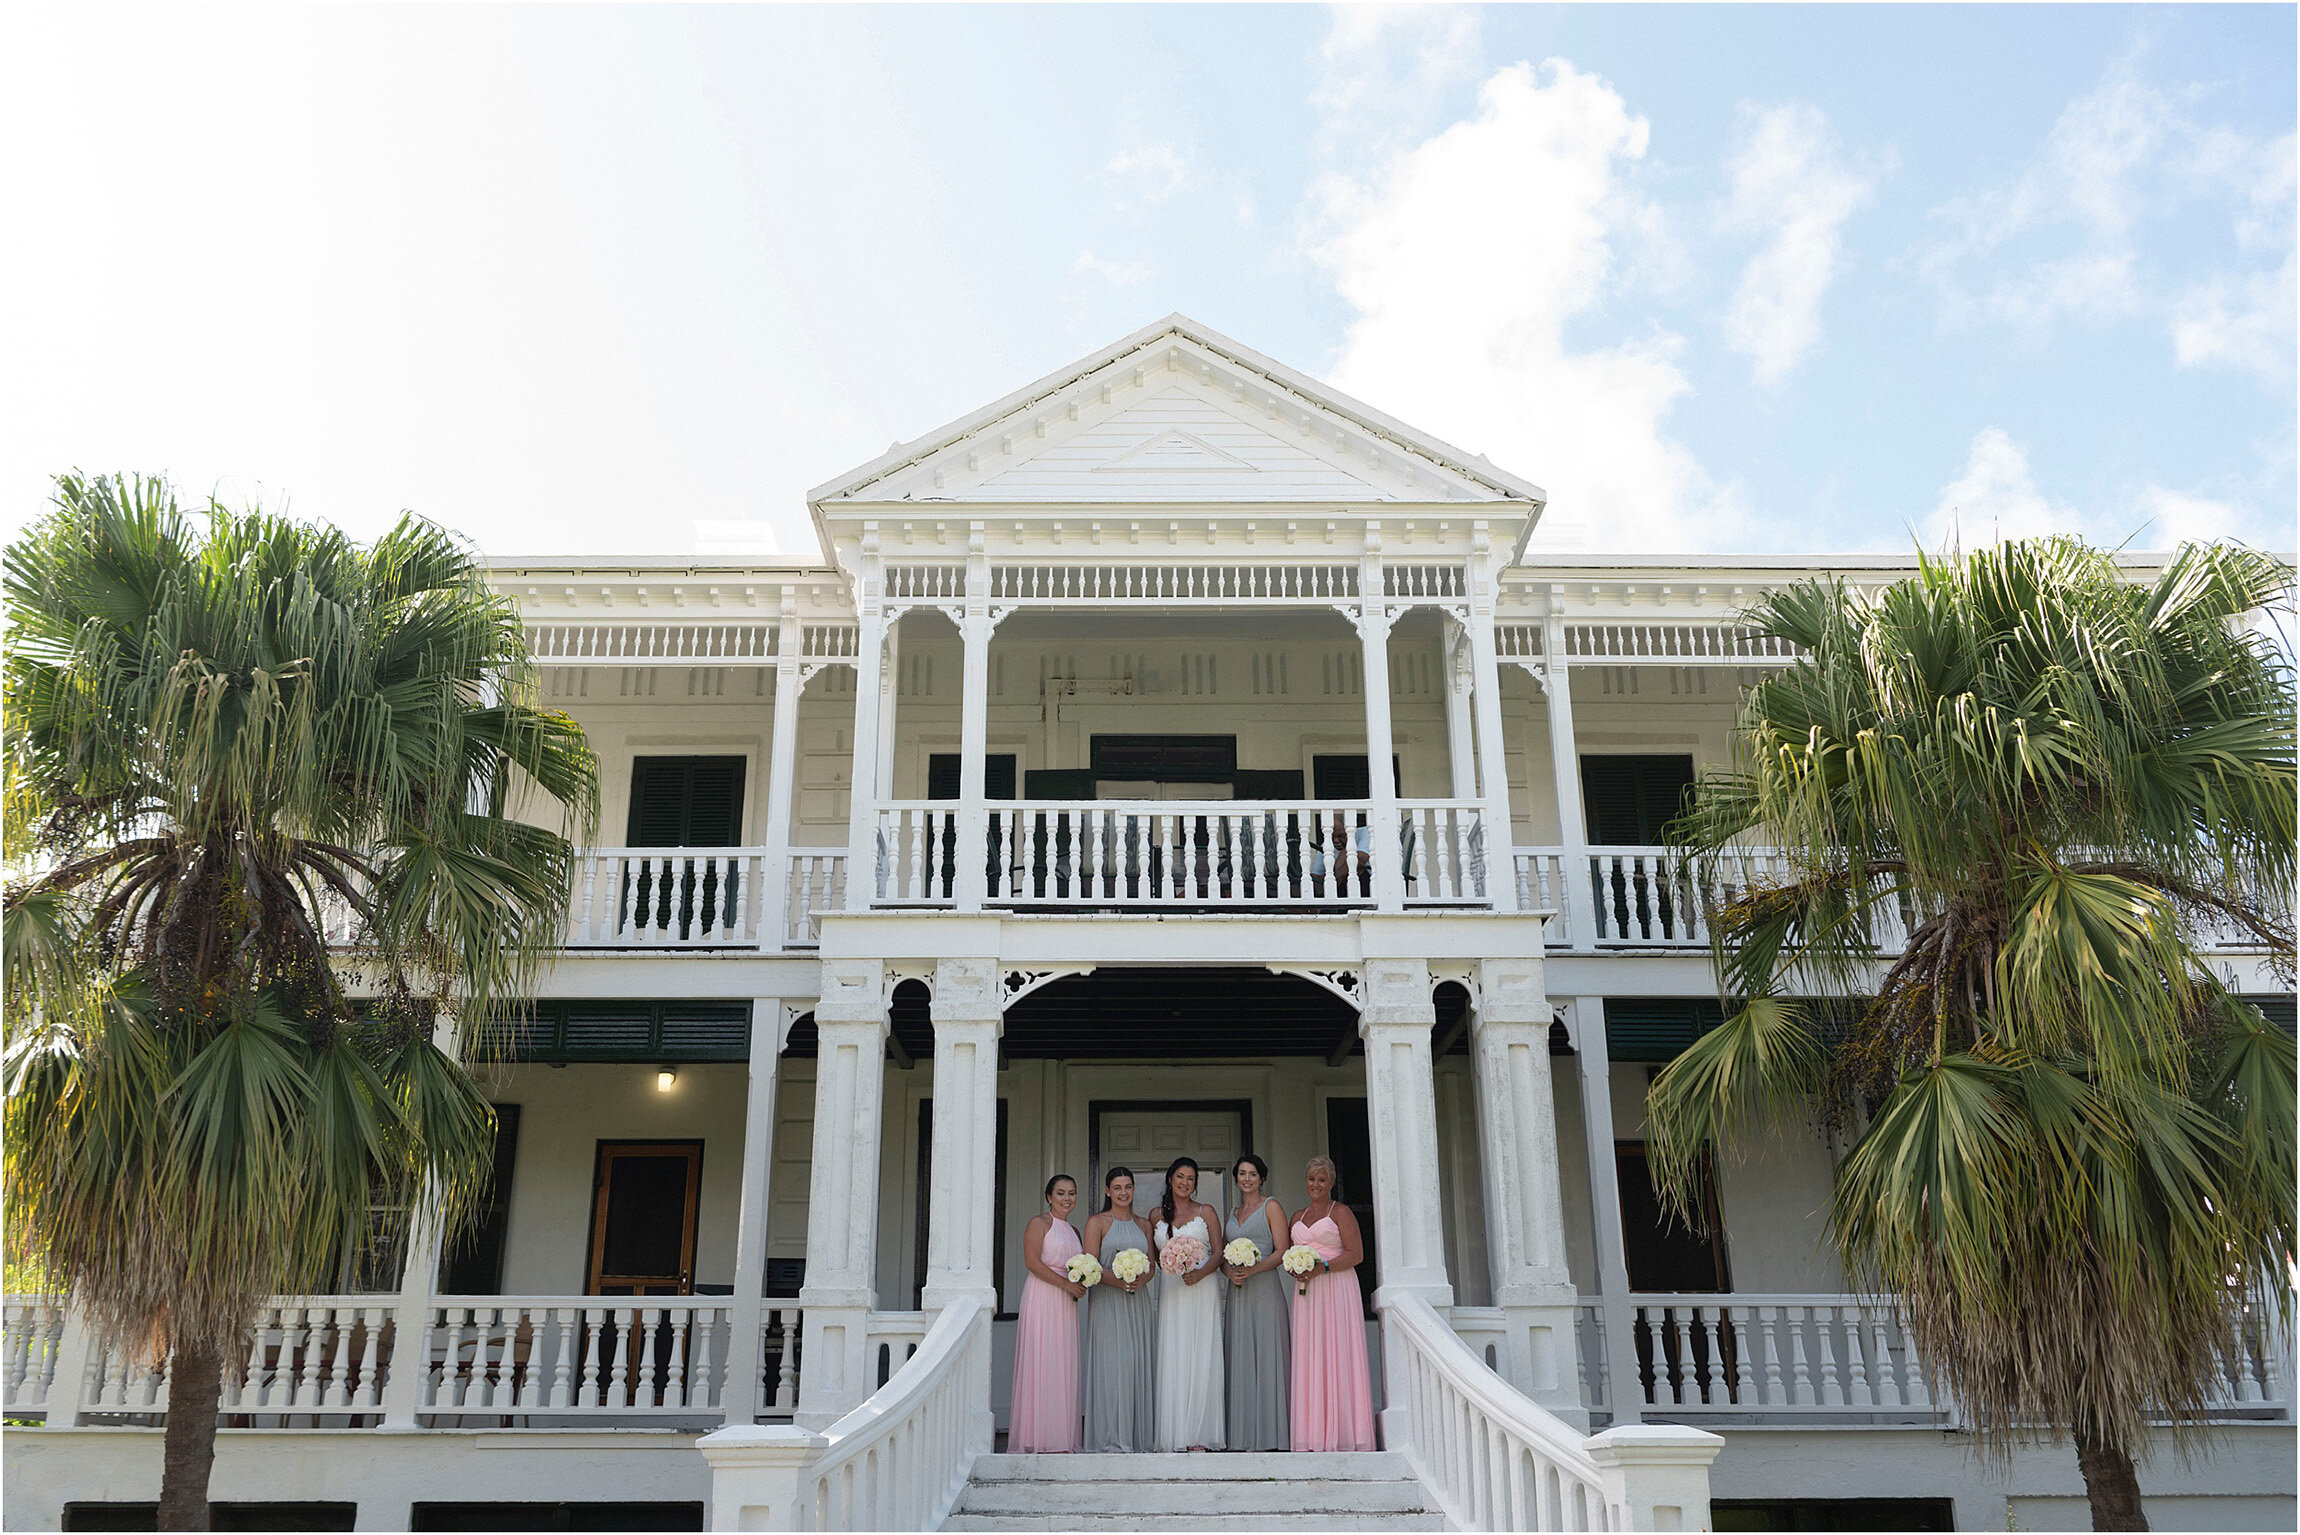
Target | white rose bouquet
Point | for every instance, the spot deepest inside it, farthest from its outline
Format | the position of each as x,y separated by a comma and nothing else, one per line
1130,1265
1242,1254
1301,1261
1085,1269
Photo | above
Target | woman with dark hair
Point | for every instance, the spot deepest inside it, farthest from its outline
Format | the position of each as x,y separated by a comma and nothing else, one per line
1043,1419
1189,1316
1257,1336
1121,1328
1333,1407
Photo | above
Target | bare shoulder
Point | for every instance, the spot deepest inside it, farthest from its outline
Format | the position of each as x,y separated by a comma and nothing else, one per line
1345,1219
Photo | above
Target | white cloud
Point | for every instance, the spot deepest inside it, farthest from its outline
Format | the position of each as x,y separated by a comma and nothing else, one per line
1995,498
1787,180
2239,322
1157,170
2174,518
2118,156
1119,274
1384,71
1467,257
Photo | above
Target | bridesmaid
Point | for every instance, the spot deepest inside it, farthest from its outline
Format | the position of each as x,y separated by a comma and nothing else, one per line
1258,1332
1121,1333
1333,1393
1044,1416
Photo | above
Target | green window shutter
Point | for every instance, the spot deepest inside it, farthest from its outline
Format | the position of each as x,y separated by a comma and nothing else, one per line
474,1266
1656,1028
1628,800
997,775
686,802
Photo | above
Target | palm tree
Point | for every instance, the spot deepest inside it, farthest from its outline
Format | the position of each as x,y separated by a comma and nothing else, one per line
2071,1153
231,738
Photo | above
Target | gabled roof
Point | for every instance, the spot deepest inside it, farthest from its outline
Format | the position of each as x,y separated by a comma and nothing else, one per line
1177,412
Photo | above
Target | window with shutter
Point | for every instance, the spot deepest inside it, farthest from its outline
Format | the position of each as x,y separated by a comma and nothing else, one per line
1345,776
1628,800
686,802
997,775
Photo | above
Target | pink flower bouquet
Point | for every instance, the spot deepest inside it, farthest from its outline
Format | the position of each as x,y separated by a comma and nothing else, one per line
1182,1255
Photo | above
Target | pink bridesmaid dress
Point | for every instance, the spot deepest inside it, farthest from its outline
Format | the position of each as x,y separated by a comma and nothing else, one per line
1043,1417
1333,1390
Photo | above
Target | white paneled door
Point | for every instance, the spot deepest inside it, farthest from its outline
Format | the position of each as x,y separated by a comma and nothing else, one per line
1149,1138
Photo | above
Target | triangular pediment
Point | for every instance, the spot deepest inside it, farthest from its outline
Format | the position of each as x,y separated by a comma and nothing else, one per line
1175,451
1176,413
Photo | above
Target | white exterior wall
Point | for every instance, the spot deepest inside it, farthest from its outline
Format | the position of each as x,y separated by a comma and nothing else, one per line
564,1113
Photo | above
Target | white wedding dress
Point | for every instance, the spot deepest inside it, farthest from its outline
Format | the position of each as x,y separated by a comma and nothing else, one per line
1190,1375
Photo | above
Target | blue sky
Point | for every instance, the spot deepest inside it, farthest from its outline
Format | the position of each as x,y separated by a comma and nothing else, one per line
576,280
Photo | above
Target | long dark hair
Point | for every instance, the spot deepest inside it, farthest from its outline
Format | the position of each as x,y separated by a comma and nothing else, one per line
1109,1178
1166,1205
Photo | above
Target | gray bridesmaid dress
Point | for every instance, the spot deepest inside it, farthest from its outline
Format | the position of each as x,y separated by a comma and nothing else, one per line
1258,1344
1121,1355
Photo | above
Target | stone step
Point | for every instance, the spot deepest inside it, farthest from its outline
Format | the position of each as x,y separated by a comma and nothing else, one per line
1365,1490
1311,1519
1226,1496
1323,1465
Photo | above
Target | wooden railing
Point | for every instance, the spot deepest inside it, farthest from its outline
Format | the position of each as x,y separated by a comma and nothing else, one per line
686,897
1835,1358
325,1362
33,1327
1184,855
553,1356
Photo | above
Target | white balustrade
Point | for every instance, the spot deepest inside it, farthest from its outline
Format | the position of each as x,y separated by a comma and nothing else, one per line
34,1326
1194,854
1493,1459
1444,848
779,1362
817,883
1798,1356
917,852
492,1356
684,897
1541,887
313,1357
900,1460
893,1337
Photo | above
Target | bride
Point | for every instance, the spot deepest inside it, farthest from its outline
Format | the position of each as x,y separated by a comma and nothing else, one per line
1189,1396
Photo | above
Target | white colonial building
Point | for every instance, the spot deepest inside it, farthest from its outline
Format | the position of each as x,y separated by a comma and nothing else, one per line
1035,829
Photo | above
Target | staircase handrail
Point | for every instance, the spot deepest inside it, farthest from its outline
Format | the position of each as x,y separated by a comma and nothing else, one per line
897,1462
1496,1460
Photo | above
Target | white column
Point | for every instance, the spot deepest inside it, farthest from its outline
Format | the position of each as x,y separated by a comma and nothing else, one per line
740,1395
1401,1111
1565,774
842,1197
1524,1210
889,691
1461,746
1493,769
969,884
1624,1392
418,1287
862,778
1389,875
959,1240
782,774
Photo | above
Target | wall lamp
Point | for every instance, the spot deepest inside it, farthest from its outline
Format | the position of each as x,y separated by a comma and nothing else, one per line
666,1078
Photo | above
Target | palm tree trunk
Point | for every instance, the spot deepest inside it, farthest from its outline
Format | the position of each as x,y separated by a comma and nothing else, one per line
2113,1487
195,1388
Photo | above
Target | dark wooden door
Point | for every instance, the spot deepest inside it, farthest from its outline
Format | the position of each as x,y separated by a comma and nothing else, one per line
643,1204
